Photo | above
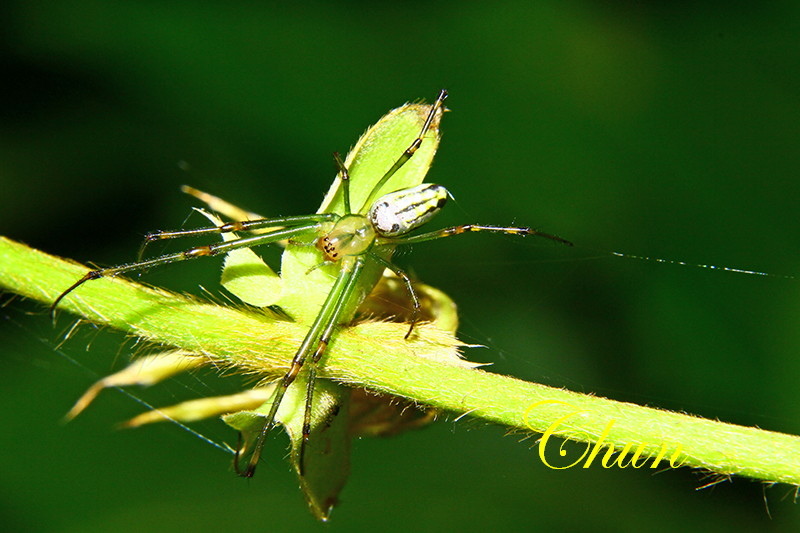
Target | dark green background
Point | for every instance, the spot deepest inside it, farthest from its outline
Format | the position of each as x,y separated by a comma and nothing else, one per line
665,129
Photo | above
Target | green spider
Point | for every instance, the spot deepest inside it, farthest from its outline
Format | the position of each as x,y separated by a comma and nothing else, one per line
355,241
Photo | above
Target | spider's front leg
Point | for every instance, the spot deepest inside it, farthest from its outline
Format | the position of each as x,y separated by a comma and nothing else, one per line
466,228
312,225
314,345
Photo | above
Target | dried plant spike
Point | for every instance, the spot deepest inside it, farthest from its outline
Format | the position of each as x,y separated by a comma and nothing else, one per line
202,408
144,371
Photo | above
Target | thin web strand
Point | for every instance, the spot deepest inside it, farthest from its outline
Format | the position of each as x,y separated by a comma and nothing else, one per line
700,265
127,393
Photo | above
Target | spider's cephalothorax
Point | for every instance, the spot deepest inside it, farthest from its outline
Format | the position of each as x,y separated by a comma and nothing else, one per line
392,215
350,235
363,237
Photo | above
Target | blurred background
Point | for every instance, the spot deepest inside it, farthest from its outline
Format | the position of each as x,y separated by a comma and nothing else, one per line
661,129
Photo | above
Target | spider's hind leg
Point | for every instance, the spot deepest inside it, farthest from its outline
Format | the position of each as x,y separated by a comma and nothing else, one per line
417,309
409,152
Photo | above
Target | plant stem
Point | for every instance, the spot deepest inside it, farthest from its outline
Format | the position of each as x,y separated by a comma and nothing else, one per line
374,355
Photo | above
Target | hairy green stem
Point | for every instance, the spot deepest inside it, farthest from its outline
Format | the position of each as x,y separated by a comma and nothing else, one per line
375,356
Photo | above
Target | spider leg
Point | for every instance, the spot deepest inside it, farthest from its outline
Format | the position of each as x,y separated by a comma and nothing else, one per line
345,179
458,230
244,225
408,153
198,251
409,287
316,339
333,322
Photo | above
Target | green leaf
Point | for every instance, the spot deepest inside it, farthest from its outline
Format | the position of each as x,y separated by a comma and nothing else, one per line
246,275
324,469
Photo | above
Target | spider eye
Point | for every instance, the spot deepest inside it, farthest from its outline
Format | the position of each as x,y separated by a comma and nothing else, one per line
405,210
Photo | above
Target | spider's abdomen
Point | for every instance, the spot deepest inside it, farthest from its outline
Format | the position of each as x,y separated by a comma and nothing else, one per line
402,211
